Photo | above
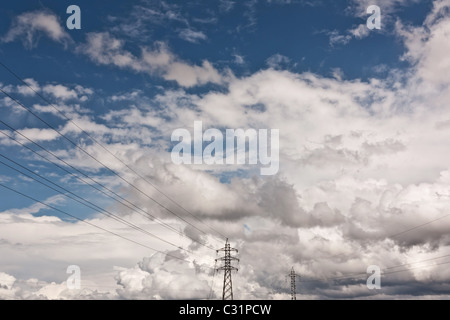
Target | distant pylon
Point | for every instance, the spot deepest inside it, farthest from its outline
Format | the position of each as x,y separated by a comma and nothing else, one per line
293,277
227,268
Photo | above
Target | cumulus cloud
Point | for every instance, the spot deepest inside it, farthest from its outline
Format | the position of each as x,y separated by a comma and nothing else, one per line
346,182
359,9
361,162
359,32
427,46
60,92
37,134
63,93
28,240
23,89
104,49
162,277
29,26
192,35
34,289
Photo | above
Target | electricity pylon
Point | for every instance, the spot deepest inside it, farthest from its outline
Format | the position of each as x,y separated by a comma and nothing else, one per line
227,268
293,277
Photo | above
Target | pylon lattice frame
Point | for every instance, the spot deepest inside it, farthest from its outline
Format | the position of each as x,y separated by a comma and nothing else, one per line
227,268
293,276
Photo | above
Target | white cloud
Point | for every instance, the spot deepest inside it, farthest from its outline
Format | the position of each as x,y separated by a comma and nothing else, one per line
6,281
127,96
337,38
160,277
102,48
359,9
43,247
386,6
37,134
226,5
134,116
60,92
35,289
63,93
188,76
30,25
359,32
360,163
83,90
70,110
238,59
23,89
192,35
277,61
427,46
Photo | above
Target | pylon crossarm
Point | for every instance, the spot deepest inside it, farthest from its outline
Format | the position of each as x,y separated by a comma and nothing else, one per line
224,268
227,249
228,258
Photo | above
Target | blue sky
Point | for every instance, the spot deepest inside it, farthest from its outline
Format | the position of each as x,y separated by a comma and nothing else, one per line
363,119
254,31
241,36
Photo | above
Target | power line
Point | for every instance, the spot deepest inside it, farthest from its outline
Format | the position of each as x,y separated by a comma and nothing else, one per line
420,267
146,214
212,281
93,225
418,226
426,260
106,149
126,204
85,202
402,233
358,275
98,161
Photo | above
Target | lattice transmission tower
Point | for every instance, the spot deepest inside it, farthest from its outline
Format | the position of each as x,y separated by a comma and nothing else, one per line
227,268
293,277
